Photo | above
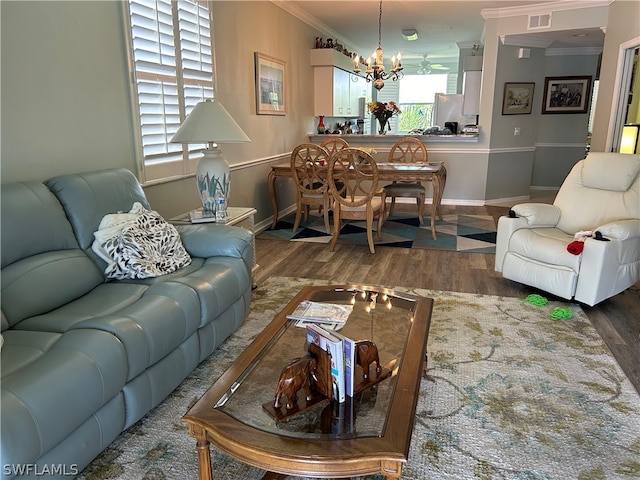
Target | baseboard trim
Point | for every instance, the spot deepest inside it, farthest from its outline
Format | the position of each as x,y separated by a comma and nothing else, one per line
499,201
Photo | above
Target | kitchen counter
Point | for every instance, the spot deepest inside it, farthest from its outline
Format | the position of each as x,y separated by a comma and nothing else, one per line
390,139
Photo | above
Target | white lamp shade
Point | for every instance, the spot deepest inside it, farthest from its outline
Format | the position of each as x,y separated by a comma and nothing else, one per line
209,122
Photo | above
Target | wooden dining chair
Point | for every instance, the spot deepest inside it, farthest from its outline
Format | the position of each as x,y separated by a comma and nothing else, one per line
353,184
309,165
407,150
334,144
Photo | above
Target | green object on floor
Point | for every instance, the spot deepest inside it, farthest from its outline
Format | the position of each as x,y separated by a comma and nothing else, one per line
560,313
537,300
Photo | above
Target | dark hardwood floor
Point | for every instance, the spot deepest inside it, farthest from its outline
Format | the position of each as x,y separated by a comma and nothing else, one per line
616,319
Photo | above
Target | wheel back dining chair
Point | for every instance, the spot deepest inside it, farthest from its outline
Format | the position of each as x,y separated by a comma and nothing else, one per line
353,183
407,150
334,144
309,165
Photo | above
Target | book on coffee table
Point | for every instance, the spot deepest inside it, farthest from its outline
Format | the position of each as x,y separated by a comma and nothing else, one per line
333,345
331,315
349,354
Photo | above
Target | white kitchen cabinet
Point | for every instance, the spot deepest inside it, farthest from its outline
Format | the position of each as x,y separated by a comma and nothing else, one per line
336,92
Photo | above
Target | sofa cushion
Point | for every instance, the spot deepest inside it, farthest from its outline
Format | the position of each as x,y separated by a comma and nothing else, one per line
42,264
46,281
609,171
87,197
586,207
544,245
33,222
62,380
218,281
149,321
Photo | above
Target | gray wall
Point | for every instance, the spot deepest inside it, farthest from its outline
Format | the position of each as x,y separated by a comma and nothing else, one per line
65,102
66,105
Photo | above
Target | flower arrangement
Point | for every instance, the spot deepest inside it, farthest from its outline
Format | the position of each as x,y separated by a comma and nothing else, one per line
383,111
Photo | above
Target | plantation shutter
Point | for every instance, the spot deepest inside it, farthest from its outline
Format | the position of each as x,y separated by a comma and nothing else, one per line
172,70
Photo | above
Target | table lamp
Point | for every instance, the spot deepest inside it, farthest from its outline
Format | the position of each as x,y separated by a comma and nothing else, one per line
210,123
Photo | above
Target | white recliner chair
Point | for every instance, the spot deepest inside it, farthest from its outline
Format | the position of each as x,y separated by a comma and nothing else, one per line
601,194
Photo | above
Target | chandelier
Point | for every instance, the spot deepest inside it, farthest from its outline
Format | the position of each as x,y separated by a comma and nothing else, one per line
375,72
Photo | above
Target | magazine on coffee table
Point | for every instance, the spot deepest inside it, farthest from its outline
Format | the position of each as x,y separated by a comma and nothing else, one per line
331,316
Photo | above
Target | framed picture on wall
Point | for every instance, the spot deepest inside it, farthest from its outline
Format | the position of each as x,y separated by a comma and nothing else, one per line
271,85
566,94
518,98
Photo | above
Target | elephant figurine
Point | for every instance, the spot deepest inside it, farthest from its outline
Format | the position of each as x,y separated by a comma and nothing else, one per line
366,354
298,374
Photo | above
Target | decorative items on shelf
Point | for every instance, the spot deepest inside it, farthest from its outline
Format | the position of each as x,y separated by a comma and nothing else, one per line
383,111
321,127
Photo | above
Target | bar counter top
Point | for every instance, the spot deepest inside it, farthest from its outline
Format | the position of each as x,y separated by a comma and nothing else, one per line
392,138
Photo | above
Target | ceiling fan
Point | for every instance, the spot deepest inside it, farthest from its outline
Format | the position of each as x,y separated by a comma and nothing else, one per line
427,67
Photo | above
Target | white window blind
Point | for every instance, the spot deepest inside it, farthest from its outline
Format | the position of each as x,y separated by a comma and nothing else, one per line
171,66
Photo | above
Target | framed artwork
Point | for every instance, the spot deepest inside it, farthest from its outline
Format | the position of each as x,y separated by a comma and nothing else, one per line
271,85
518,98
566,94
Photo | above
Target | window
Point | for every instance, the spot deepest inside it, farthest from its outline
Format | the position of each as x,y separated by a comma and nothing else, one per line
171,66
416,97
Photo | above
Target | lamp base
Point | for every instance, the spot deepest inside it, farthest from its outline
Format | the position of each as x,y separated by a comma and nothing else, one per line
212,174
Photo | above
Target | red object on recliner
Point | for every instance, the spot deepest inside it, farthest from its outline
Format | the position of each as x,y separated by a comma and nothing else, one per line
575,247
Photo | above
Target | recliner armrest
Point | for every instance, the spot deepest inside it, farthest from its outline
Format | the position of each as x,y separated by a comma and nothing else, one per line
211,240
538,214
621,229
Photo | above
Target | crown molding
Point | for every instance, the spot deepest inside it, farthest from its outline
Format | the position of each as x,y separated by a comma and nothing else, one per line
542,8
312,21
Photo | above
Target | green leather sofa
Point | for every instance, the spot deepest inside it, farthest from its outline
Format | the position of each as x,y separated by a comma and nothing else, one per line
84,358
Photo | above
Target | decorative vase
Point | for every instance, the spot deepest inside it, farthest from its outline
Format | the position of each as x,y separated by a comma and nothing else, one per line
212,175
382,122
321,127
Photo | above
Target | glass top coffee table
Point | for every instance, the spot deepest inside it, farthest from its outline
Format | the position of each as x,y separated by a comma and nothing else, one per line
369,433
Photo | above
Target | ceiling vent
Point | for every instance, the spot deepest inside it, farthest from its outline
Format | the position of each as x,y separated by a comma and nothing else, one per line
539,21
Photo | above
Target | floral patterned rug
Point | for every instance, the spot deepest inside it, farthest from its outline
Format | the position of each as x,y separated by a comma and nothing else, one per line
510,394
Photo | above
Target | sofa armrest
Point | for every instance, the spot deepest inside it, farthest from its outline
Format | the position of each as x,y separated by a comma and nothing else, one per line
538,214
621,230
211,240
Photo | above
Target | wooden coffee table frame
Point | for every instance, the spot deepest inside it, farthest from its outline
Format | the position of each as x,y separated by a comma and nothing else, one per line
284,455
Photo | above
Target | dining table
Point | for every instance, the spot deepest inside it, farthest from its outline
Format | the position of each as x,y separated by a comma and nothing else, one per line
433,172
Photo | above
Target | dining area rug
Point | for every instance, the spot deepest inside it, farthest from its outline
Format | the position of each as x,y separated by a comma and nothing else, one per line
455,232
510,393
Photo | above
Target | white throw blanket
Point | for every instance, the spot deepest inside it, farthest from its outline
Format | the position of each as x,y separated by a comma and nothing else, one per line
139,244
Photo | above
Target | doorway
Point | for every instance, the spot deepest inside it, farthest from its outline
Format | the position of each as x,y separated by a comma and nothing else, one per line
627,109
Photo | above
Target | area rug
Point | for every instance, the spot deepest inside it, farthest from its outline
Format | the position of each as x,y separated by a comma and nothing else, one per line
463,233
510,394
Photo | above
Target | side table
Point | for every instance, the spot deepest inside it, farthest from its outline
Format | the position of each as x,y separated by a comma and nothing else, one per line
236,216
